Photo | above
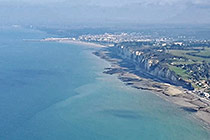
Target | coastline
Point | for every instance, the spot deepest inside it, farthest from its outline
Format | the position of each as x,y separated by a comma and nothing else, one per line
84,43
194,105
70,41
197,107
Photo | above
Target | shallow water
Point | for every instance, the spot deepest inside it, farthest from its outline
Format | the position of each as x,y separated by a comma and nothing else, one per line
51,91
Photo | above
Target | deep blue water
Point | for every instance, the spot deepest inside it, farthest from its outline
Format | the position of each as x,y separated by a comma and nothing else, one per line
54,91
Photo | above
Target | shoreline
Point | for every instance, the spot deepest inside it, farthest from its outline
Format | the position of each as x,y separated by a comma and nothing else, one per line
198,108
70,41
84,43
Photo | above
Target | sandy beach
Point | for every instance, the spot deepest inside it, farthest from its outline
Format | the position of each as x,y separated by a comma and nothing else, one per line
83,43
70,41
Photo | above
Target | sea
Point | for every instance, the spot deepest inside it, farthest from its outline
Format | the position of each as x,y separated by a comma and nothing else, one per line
57,91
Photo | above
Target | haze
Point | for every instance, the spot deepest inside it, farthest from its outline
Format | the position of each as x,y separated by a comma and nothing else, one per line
96,12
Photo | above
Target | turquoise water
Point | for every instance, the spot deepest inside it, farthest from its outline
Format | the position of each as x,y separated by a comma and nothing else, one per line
54,91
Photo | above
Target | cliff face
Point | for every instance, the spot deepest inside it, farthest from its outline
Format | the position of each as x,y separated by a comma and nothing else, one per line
152,66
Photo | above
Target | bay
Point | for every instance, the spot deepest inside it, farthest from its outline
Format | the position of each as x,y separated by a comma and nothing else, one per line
56,91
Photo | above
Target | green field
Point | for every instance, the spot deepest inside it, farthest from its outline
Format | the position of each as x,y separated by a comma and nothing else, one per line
205,52
197,59
179,71
184,62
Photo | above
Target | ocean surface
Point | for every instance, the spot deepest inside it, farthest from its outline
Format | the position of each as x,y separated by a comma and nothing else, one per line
55,91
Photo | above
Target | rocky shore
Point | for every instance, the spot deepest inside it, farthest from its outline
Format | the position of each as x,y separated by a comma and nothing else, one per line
198,107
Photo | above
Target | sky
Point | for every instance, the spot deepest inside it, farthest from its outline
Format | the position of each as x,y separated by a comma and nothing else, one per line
110,2
98,12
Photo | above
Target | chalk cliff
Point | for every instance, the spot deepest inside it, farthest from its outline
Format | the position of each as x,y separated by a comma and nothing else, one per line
151,65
